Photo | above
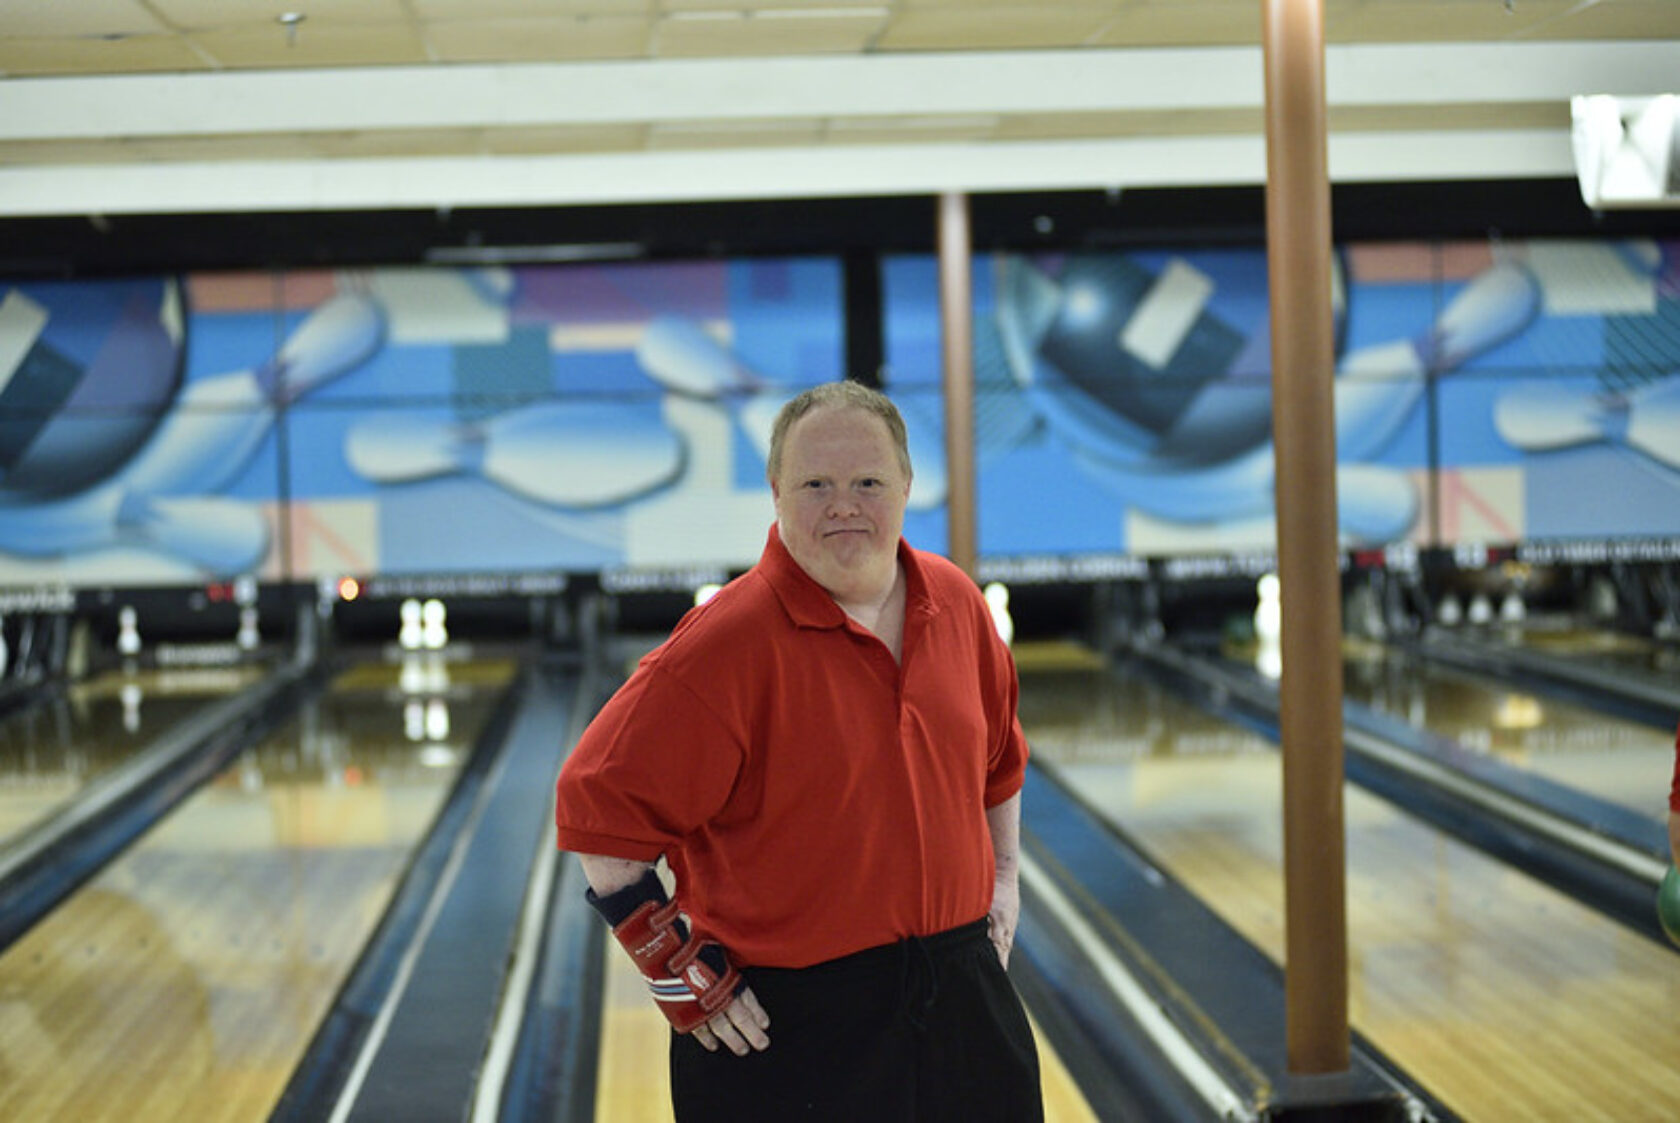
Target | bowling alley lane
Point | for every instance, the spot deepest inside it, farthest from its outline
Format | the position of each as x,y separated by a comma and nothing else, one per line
1620,761
633,1085
50,752
1616,651
1503,997
186,979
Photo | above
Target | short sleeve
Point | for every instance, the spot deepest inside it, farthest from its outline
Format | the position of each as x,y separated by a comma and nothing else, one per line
655,764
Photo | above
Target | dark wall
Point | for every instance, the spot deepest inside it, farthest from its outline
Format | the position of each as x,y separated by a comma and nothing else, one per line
82,246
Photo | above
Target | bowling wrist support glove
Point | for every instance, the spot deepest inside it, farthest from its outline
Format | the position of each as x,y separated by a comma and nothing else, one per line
691,979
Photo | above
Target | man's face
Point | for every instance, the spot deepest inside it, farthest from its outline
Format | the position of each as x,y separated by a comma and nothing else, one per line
840,500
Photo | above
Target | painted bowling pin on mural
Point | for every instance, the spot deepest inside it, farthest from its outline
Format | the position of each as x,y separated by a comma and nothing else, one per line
158,500
565,454
1187,437
217,423
683,358
1544,419
1378,386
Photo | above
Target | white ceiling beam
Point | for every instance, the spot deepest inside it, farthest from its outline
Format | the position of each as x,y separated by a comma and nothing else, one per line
250,102
814,172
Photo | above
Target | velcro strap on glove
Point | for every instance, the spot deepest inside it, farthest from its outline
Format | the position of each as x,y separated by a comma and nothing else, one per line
691,979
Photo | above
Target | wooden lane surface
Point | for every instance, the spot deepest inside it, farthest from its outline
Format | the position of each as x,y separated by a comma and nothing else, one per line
49,753
1506,999
1623,762
185,980
1615,651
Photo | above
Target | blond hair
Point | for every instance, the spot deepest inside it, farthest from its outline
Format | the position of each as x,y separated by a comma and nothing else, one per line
839,395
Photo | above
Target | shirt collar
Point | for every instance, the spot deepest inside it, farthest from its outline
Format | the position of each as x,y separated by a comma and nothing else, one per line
809,605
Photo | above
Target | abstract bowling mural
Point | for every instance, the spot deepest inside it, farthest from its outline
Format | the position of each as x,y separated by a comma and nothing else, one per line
307,424
1484,392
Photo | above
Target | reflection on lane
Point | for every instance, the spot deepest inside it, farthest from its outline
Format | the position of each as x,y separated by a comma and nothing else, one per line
51,752
187,979
1622,762
1506,999
1617,652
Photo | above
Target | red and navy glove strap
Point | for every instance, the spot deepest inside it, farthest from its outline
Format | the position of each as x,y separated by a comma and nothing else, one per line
615,908
691,979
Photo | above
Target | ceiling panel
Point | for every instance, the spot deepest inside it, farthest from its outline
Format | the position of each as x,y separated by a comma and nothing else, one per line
134,40
1625,19
501,9
56,19
539,39
203,14
774,32
271,46
1223,23
877,8
140,54
995,27
1400,20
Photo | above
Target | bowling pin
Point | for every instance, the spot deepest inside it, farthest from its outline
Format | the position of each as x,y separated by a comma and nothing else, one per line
1377,386
221,536
130,696
201,445
128,632
217,423
437,719
248,638
1544,418
1481,609
1374,503
410,633
997,599
434,630
679,355
683,358
1268,626
1268,612
1512,610
1451,612
566,454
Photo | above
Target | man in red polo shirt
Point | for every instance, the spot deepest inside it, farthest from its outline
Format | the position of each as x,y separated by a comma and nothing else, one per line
1674,806
827,755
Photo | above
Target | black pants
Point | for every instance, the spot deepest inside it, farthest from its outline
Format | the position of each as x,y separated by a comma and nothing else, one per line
924,1031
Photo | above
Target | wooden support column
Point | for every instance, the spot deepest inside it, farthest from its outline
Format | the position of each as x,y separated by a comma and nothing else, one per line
1298,241
956,318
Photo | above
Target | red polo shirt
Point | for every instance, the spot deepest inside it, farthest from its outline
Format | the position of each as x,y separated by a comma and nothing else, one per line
814,797
1674,791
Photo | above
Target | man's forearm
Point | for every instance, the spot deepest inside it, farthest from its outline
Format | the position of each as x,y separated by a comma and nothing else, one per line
1004,822
608,875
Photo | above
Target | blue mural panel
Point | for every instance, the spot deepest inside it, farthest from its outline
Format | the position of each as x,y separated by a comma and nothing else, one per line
423,421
